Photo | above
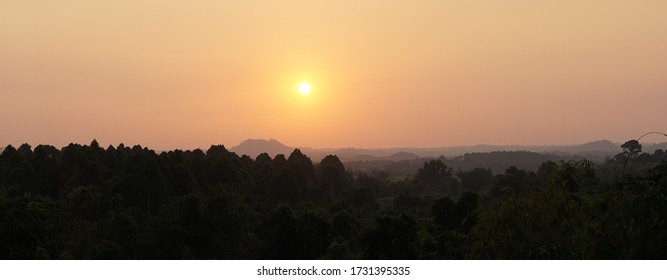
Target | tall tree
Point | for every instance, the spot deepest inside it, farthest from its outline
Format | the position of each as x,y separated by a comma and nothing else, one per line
333,177
632,148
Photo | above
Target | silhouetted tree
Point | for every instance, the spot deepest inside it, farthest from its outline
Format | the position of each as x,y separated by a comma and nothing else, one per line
280,235
546,172
511,182
46,171
393,237
28,227
333,177
303,172
436,178
313,230
405,201
85,202
476,180
573,175
433,172
344,225
142,183
359,196
445,214
631,148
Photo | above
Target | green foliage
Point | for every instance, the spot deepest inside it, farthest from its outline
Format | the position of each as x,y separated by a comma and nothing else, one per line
359,196
574,175
631,148
541,224
445,213
290,236
433,172
623,221
333,177
393,237
435,179
340,249
86,202
476,180
459,215
28,228
633,224
344,226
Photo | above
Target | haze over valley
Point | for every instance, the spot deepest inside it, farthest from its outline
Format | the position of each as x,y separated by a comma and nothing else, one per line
596,150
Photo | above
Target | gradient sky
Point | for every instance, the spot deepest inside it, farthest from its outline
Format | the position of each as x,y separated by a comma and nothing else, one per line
188,74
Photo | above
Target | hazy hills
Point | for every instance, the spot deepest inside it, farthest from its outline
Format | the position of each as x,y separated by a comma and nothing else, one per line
597,150
254,147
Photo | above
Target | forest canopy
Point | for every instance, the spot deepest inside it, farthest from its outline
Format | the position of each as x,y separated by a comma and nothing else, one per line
90,202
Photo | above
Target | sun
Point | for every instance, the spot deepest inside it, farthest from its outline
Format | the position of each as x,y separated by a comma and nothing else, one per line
304,88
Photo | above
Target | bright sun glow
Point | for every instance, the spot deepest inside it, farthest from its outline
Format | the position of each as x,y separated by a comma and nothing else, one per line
304,88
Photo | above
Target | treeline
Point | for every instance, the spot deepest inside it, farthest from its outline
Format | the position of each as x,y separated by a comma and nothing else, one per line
497,162
89,202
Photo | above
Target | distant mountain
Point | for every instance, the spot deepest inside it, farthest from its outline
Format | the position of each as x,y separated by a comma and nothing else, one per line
254,147
650,148
596,150
600,146
401,156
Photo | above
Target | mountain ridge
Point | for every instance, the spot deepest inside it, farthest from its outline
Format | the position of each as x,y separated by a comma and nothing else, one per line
599,149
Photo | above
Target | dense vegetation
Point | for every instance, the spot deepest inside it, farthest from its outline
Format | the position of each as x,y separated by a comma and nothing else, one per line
88,202
497,162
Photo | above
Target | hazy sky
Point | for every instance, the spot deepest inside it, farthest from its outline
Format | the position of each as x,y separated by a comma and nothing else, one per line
188,74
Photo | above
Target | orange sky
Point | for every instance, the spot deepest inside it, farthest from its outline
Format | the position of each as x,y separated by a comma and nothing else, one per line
188,74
